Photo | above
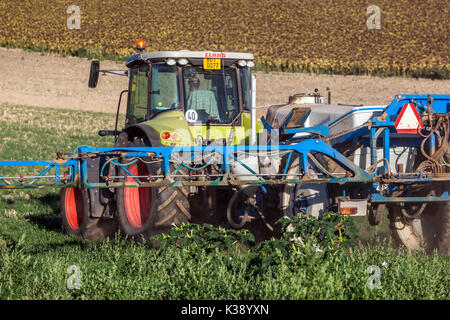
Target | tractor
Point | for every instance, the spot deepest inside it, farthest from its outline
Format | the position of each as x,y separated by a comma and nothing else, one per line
175,98
192,149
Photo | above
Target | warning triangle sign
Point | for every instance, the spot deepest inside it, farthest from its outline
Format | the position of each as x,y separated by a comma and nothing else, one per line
408,121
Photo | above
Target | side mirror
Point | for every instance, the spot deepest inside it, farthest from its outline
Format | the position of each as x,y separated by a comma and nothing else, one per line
93,74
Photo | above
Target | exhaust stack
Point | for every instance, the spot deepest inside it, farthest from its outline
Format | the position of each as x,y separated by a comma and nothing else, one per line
253,113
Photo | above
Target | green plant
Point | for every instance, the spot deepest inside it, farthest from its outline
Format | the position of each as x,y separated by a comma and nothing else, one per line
328,231
303,237
204,237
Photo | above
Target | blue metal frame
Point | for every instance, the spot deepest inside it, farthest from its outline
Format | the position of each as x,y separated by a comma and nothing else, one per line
38,181
379,126
227,156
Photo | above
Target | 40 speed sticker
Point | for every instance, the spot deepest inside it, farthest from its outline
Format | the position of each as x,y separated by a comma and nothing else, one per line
191,115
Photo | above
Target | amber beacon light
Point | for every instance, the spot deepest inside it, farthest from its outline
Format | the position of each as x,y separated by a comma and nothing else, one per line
140,45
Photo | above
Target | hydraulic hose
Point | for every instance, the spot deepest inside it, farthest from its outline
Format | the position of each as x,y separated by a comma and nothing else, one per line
436,161
229,213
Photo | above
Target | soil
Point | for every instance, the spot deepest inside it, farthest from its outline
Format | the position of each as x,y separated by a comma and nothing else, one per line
34,79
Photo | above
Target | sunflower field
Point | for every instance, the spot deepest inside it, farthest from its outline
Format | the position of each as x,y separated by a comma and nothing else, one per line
318,36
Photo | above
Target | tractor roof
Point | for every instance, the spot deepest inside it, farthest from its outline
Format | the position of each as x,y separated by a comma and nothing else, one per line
159,56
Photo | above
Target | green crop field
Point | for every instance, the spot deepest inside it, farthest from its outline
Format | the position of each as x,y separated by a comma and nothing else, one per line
35,254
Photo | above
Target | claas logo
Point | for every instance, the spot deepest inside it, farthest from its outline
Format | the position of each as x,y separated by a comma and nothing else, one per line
214,55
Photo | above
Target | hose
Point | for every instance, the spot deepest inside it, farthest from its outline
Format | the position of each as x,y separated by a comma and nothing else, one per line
436,161
370,169
414,215
133,160
229,212
112,160
417,213
200,168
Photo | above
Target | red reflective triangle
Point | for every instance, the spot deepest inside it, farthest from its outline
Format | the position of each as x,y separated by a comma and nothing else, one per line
408,121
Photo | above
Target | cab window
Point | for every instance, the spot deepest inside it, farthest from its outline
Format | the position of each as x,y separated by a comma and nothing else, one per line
138,95
211,95
246,87
164,94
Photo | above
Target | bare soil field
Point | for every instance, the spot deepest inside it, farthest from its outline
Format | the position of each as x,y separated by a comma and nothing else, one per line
30,78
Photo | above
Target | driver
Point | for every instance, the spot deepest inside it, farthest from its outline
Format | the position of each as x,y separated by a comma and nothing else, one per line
202,99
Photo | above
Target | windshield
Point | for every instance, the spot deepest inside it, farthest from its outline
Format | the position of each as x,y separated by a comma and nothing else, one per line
210,95
164,94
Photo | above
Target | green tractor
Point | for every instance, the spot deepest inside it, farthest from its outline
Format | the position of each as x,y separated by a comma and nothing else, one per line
175,98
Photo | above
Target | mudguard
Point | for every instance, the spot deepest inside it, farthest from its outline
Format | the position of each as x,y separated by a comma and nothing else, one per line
138,130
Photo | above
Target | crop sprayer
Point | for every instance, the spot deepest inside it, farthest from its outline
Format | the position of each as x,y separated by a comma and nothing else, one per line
192,149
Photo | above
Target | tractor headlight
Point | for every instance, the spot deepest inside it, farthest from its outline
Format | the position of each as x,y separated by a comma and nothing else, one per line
171,62
242,63
183,61
250,64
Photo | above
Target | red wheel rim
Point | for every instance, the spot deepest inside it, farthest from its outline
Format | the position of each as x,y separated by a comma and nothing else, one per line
137,200
73,203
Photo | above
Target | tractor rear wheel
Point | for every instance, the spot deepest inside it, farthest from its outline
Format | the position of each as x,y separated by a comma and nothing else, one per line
146,212
429,230
134,204
76,218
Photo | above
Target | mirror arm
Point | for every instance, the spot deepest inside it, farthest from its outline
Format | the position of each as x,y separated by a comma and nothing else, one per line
117,72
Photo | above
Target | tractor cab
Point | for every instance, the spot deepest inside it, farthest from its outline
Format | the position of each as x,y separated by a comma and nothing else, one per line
204,93
208,87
